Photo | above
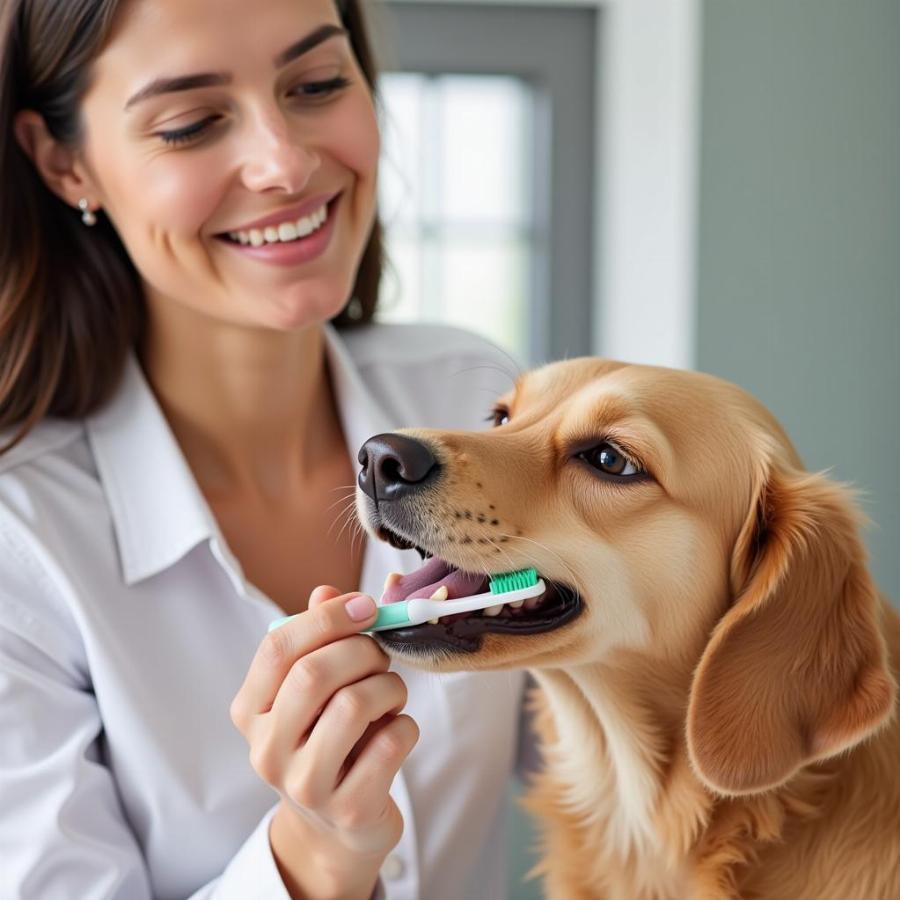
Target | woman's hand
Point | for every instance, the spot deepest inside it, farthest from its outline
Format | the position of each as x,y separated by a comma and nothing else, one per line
321,714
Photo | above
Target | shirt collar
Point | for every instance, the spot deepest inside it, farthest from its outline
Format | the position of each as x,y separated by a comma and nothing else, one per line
158,511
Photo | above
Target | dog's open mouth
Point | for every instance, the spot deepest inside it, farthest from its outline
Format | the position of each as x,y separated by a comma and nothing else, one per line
463,631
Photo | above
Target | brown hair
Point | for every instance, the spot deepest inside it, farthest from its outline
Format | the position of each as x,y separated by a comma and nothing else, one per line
71,304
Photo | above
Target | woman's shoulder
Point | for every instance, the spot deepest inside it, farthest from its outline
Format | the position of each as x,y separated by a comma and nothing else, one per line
49,437
43,502
431,375
404,344
46,483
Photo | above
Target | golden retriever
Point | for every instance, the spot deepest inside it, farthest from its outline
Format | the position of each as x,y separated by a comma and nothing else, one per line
716,670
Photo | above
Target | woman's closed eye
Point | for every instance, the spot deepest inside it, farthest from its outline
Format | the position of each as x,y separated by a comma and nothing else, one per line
310,91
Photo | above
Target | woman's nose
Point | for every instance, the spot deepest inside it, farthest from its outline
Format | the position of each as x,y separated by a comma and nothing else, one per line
277,159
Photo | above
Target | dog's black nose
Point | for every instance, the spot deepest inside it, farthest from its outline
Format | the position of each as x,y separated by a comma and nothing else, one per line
393,465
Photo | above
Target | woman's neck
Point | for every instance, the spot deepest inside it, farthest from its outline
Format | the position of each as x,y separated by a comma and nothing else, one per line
253,411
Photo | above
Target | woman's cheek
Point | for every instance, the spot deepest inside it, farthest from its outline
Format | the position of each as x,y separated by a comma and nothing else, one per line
355,140
182,196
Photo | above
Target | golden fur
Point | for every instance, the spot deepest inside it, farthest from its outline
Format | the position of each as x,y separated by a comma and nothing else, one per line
718,722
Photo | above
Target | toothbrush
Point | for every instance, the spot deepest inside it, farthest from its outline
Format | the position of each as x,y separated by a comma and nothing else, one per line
505,588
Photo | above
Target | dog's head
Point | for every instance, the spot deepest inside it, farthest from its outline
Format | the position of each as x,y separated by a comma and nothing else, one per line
673,521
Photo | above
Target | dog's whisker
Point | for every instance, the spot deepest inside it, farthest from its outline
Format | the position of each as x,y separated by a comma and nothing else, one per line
563,563
360,532
356,530
494,368
350,496
503,553
346,514
343,487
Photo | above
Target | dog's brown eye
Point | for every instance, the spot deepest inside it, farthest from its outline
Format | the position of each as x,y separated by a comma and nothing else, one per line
610,460
499,416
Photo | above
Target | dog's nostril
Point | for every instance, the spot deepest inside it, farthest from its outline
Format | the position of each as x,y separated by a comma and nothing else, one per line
392,470
393,464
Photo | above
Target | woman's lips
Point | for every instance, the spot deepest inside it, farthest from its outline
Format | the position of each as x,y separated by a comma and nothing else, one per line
291,253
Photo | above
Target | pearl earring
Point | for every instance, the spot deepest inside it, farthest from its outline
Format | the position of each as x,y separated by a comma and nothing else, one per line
87,216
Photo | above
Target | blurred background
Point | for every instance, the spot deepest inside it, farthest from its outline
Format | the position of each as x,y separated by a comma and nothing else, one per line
705,184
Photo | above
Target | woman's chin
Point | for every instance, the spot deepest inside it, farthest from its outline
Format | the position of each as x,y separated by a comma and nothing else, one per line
303,308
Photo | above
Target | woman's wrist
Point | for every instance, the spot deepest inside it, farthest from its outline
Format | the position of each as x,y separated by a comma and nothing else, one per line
314,868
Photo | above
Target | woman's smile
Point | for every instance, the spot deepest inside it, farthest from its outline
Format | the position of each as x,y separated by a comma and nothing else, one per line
286,239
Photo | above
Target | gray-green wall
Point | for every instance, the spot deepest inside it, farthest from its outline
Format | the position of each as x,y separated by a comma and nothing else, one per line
799,233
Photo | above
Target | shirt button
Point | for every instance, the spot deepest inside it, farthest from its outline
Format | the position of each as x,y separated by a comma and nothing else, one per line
393,867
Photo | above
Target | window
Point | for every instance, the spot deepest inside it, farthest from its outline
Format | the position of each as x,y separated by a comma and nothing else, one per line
456,202
487,173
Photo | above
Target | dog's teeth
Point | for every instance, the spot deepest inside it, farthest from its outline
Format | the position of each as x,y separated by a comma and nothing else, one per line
433,621
494,610
517,604
391,580
533,602
441,593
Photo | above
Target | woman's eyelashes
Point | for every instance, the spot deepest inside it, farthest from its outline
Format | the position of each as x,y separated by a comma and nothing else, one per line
185,135
315,91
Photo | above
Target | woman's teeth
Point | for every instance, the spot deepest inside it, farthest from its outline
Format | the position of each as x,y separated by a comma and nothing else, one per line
283,233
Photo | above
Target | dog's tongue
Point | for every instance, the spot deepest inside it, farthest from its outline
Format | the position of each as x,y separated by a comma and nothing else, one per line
434,574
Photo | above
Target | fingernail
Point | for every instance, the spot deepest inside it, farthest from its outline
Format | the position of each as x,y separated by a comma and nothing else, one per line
361,607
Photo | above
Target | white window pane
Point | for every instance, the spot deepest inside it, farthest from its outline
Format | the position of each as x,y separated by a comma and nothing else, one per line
483,145
402,286
485,288
459,235
399,175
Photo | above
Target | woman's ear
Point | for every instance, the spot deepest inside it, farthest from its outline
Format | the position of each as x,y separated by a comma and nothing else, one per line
796,670
57,164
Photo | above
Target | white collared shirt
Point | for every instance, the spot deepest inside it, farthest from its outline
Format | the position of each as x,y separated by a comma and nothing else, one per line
127,627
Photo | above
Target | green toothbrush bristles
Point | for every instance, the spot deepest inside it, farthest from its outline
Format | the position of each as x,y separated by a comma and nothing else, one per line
513,581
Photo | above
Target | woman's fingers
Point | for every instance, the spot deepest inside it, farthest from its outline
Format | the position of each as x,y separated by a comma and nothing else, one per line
311,683
314,771
329,621
366,784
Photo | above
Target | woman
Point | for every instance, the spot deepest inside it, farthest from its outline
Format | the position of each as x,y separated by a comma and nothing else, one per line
188,204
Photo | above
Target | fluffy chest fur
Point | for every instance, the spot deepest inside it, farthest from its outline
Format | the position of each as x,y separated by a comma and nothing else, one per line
623,816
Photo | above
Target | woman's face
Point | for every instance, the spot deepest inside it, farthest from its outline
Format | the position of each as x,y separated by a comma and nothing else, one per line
217,133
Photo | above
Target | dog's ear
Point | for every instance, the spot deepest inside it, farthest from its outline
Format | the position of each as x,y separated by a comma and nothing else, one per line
796,670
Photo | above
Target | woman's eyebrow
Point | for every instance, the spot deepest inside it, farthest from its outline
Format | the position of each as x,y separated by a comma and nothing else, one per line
214,79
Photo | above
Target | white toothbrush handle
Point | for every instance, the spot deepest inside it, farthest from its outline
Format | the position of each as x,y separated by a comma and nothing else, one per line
422,609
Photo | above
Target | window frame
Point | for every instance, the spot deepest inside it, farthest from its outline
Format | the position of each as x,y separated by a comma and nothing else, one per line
643,305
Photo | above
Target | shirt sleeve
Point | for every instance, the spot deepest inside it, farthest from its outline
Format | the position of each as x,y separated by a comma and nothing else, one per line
62,829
